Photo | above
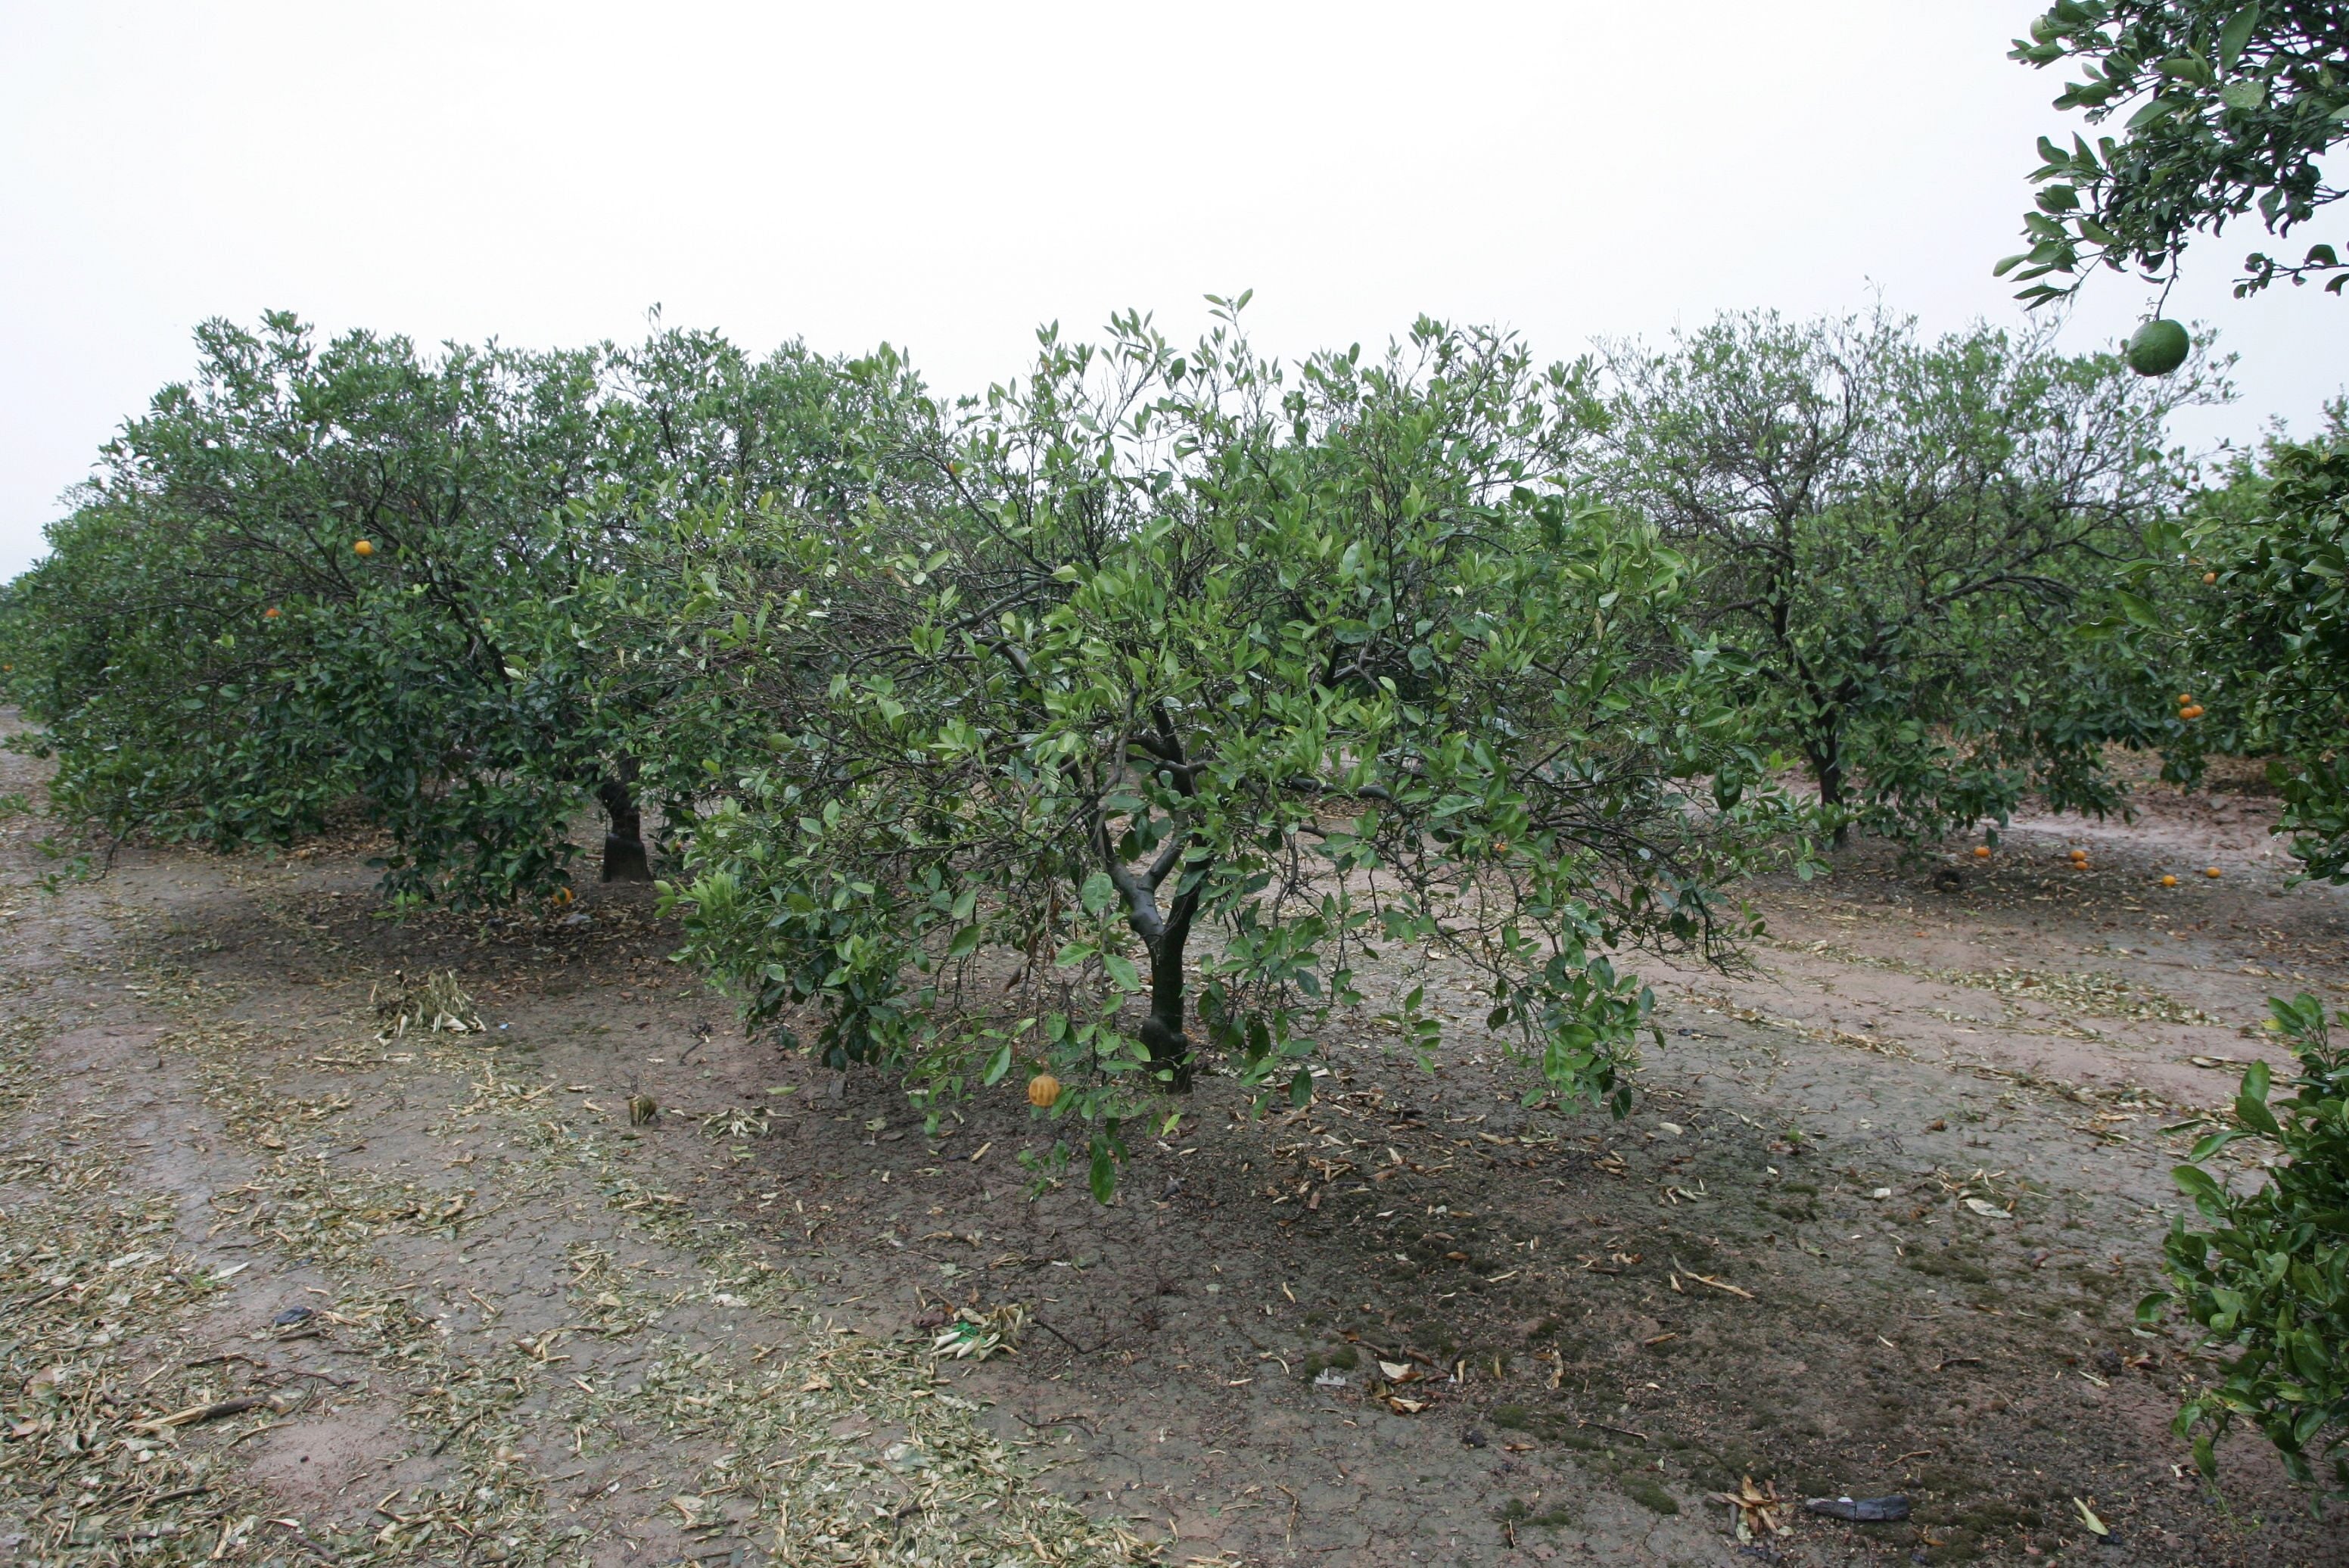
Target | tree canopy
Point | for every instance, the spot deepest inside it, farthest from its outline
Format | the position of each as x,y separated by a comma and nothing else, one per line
2228,108
1332,669
361,576
2257,617
1900,538
312,576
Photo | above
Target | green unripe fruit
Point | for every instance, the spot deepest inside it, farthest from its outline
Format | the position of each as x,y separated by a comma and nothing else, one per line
2158,347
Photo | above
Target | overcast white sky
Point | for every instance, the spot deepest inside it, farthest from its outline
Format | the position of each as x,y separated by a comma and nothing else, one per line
946,176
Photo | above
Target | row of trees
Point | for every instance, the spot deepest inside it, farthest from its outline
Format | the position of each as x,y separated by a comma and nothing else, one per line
1161,688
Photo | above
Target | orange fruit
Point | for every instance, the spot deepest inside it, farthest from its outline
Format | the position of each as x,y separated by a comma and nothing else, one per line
2167,881
1982,852
270,614
2209,870
1043,1091
363,548
2209,577
2079,854
561,895
2185,699
2193,710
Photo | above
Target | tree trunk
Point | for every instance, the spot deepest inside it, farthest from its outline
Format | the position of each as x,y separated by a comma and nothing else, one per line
1162,1031
1163,937
1827,768
623,841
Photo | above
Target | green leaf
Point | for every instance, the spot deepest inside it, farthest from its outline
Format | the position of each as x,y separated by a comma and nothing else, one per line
1121,973
999,1064
2196,1182
2255,1114
1097,893
1104,1175
2210,1144
2252,1104
1301,1087
2235,36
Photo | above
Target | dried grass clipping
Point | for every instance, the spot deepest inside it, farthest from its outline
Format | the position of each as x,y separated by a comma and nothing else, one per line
974,1336
435,1003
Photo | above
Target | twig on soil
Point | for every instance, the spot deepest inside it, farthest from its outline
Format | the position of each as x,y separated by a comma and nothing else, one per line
266,1427
304,1541
459,1430
1076,1421
1619,1431
1062,1337
321,1377
196,1414
1687,1272
44,1295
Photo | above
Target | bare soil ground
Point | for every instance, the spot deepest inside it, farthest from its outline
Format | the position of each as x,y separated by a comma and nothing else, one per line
279,1286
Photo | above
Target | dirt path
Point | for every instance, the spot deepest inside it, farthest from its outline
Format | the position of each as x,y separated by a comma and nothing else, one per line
276,1286
1875,1225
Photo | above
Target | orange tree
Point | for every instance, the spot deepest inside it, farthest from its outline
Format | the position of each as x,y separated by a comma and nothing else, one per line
1180,687
698,430
312,576
1900,538
2253,585
2284,586
359,574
